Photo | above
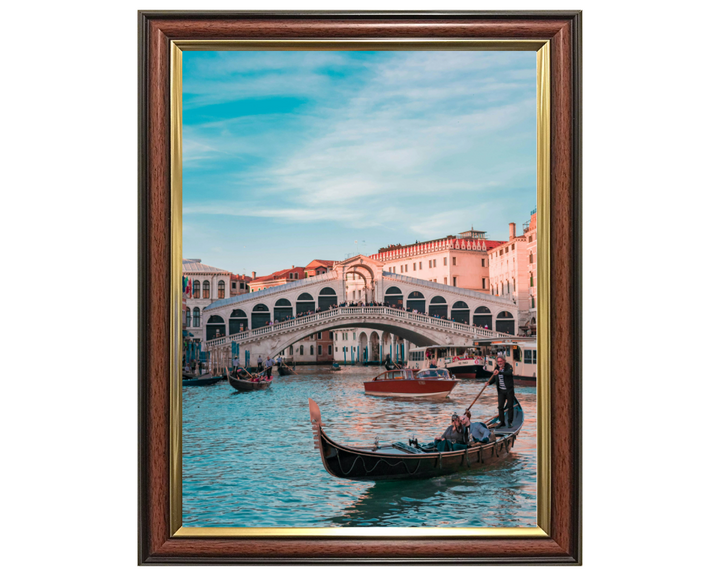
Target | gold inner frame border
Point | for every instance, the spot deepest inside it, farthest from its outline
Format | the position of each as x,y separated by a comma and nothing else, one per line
542,49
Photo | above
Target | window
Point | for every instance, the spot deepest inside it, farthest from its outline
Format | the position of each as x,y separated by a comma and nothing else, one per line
302,350
429,263
234,285
514,287
483,283
434,263
336,336
196,289
454,280
532,301
196,317
292,350
319,351
513,246
336,349
531,258
527,357
414,266
206,289
445,261
534,356
420,264
221,289
445,279
482,262
531,280
454,261
188,315
354,336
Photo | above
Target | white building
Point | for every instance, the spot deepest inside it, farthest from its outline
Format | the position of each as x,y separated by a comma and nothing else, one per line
207,284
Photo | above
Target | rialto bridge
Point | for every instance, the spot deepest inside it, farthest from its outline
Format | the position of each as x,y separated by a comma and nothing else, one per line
245,319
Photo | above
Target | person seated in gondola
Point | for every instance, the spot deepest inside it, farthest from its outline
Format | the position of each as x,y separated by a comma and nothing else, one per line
454,438
477,431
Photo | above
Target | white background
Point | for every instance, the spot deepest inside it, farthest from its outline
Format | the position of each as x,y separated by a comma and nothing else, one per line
69,245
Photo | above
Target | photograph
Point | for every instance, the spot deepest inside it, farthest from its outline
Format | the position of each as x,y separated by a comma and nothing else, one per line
359,288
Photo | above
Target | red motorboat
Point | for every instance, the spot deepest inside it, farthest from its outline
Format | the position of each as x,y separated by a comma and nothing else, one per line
427,383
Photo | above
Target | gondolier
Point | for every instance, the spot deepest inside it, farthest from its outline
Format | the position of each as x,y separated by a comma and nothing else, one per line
503,378
269,365
260,363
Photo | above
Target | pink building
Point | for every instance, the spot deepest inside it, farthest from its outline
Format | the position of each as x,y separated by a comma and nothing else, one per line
513,272
460,261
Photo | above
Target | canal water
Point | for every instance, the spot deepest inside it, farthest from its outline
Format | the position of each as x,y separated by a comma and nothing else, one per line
249,459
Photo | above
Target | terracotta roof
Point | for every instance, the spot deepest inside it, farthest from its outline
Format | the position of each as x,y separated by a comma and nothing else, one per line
325,263
279,275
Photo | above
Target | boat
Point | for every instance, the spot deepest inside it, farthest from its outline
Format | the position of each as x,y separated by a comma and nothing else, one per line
285,370
431,383
460,361
404,461
520,352
335,367
204,380
248,385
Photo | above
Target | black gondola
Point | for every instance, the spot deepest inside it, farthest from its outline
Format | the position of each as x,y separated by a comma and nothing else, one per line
285,370
248,385
205,380
401,461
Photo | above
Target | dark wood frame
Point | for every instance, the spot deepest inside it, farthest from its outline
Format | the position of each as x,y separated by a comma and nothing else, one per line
156,30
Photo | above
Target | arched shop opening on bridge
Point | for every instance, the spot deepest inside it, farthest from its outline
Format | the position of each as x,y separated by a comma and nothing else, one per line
505,323
482,317
327,299
460,312
438,307
215,328
394,297
260,316
282,310
238,321
416,301
305,303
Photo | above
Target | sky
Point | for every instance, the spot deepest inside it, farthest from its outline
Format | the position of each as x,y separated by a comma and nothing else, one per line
292,156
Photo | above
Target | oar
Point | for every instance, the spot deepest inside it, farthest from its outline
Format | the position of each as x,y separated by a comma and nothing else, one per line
476,397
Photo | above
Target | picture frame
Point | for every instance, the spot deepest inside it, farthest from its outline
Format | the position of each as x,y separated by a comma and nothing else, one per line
162,35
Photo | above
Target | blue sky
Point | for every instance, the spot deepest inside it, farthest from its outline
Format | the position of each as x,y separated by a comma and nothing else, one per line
291,156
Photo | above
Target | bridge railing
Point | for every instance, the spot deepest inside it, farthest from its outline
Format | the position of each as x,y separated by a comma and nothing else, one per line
353,311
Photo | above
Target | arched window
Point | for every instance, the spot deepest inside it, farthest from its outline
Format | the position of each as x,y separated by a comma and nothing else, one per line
482,317
327,299
438,307
305,303
214,328
196,317
188,316
416,301
505,323
238,321
196,289
393,296
206,289
260,316
282,310
460,312
221,289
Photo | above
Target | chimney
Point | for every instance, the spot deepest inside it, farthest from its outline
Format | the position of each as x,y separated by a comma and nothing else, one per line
512,230
254,275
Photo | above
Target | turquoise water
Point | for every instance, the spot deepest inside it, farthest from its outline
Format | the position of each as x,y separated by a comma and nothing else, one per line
249,460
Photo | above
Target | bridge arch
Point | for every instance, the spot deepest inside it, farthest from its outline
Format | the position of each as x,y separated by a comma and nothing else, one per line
416,301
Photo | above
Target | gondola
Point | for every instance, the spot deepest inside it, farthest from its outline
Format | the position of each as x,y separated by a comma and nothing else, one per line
285,370
248,385
401,461
205,380
335,367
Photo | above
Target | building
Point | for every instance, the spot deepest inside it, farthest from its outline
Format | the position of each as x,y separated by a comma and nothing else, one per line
513,272
315,349
461,261
291,274
239,284
207,284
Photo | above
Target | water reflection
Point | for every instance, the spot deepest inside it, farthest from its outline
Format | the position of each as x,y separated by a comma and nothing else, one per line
249,460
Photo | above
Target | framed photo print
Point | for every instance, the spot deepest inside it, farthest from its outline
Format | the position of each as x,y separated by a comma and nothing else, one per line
359,287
